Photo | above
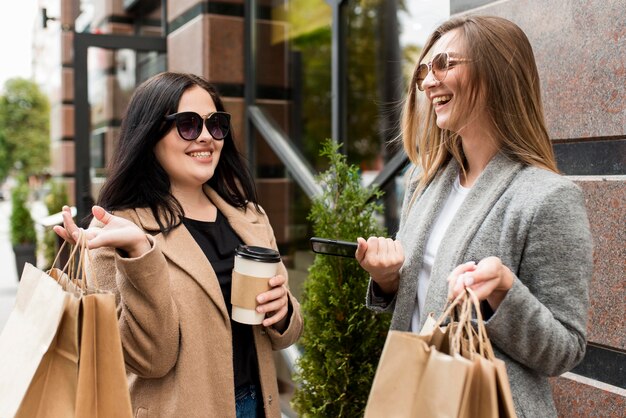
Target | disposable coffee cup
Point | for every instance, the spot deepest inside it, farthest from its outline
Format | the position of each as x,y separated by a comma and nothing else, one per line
254,267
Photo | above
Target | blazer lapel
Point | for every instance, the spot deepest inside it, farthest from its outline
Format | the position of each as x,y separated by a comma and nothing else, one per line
246,224
181,248
491,184
416,230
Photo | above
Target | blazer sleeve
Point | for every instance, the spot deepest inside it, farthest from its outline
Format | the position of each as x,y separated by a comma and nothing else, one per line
295,324
147,315
542,321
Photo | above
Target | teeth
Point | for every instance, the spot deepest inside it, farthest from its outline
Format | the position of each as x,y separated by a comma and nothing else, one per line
200,154
440,99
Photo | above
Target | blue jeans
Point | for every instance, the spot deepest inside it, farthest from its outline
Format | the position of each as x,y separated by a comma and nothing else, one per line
246,401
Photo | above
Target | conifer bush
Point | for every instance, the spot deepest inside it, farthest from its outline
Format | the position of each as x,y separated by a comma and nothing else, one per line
21,223
342,339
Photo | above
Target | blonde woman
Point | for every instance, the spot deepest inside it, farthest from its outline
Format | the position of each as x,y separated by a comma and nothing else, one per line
486,208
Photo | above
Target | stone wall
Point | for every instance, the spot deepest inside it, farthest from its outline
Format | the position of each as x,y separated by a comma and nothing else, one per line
580,48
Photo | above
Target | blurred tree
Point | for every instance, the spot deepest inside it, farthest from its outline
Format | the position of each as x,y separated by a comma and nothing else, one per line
364,41
24,128
5,164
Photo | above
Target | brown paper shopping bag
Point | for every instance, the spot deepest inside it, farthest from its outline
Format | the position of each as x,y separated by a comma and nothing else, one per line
489,393
416,377
457,374
29,331
52,391
102,384
398,376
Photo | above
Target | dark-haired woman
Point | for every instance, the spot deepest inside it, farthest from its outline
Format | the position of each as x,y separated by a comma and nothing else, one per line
178,201
486,209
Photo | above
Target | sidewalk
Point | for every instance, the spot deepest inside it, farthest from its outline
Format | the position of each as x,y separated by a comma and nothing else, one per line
8,275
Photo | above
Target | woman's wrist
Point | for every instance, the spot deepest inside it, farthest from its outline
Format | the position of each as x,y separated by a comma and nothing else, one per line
499,293
139,248
388,286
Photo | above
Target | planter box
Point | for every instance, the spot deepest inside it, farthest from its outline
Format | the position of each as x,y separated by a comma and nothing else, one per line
24,253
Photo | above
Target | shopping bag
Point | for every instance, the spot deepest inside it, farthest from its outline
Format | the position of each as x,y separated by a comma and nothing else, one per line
52,391
448,370
500,386
489,394
398,376
102,383
29,331
416,377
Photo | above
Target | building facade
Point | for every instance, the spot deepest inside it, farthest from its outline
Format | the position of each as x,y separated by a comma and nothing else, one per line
294,72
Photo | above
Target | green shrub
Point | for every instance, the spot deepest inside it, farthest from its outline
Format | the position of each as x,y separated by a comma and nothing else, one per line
54,201
342,339
22,224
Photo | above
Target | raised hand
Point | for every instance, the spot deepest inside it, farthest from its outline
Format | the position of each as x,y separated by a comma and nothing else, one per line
117,233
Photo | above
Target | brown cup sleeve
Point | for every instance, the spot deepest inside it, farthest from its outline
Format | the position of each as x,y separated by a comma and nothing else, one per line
246,288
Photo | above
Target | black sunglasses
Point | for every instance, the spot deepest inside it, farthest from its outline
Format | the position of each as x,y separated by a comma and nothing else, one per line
189,124
439,66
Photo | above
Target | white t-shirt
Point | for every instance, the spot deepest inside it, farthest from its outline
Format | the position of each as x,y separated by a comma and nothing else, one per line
454,201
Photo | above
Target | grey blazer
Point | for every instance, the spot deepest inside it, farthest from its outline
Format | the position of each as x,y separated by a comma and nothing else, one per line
533,220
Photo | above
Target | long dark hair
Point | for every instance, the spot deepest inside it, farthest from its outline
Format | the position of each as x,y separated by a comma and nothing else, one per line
135,177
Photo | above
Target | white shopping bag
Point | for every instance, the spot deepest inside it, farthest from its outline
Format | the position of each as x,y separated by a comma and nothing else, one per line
31,326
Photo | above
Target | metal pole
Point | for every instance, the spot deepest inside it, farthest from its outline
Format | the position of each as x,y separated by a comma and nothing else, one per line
338,72
82,125
390,93
250,63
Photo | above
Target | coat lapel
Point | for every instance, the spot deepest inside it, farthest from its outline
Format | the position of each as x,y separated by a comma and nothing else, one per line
181,248
246,224
491,184
415,231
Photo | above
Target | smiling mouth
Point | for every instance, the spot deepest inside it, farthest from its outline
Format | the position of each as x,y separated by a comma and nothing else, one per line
203,154
441,100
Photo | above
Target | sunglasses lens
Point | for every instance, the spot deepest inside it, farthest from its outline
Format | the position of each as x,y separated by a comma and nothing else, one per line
218,125
440,66
189,126
422,72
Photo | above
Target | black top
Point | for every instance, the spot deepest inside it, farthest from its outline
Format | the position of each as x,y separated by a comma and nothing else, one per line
218,242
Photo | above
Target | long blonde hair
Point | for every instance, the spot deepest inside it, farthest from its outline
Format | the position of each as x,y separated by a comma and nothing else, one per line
503,71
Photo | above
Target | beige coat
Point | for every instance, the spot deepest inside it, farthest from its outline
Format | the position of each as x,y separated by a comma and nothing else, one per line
174,324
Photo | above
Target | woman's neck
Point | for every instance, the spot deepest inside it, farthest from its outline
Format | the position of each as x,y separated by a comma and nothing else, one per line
479,148
195,203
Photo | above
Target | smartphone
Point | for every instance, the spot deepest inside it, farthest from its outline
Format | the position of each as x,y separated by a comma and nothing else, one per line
333,247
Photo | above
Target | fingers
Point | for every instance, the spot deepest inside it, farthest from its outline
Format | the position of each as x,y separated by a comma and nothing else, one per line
361,249
274,302
458,277
100,214
70,231
276,317
266,300
60,231
383,251
487,277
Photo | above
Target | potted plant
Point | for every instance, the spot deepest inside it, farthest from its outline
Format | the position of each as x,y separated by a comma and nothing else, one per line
54,201
23,235
342,339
